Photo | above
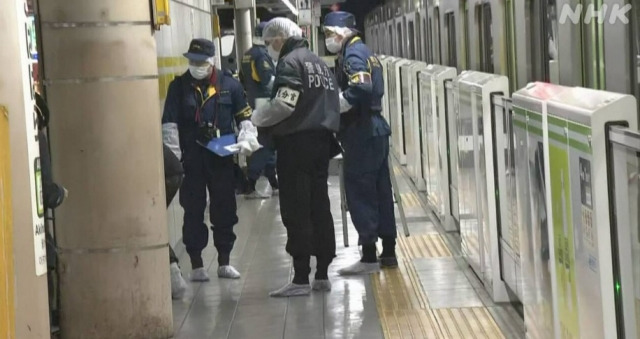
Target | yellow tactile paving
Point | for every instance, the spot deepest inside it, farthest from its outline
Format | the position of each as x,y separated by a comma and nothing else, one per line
409,200
424,246
404,308
410,324
475,322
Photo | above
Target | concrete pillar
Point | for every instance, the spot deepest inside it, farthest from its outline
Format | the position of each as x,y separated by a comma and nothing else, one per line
100,74
23,283
244,34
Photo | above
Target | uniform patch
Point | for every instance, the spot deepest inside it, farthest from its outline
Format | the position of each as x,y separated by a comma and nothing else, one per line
360,78
266,65
288,96
374,61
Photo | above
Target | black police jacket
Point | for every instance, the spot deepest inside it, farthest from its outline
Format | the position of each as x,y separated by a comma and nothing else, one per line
318,104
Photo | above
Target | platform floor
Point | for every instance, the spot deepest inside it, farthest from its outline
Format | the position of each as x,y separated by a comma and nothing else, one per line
433,294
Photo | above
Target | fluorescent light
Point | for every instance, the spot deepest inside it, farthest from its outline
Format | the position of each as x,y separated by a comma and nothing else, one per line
292,8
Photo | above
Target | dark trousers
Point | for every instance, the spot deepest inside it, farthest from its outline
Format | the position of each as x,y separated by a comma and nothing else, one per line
206,171
368,188
263,161
171,186
303,169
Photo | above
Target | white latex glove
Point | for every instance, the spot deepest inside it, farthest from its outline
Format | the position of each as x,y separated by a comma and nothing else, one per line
247,131
242,147
245,148
344,104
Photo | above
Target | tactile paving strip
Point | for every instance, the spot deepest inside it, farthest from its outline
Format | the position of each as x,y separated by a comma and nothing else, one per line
474,322
409,200
410,324
403,306
423,246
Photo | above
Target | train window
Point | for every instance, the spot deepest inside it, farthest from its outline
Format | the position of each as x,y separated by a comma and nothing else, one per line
485,37
411,50
450,24
437,45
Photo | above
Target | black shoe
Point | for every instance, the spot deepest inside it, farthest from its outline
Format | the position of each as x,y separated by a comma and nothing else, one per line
388,262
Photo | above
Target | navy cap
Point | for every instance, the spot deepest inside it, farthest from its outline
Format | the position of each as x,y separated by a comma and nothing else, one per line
200,50
340,19
260,27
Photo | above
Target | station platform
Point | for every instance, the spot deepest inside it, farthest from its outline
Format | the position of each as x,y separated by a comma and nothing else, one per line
432,294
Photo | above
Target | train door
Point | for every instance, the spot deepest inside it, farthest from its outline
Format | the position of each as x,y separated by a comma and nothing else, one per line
399,38
592,47
418,33
411,42
537,51
484,21
437,43
425,37
429,58
451,39
464,8
636,31
510,45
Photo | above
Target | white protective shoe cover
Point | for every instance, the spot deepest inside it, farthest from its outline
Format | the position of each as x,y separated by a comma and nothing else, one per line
228,272
360,268
178,285
291,290
257,195
321,285
199,275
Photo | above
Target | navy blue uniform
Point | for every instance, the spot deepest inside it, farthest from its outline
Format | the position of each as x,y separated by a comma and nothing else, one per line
257,72
219,100
364,135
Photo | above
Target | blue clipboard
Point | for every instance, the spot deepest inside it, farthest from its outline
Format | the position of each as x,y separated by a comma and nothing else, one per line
220,145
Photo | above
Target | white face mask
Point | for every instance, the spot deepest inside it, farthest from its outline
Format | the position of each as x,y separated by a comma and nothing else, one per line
273,53
333,45
199,72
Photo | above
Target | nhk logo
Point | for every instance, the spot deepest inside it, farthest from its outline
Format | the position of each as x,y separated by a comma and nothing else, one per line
617,13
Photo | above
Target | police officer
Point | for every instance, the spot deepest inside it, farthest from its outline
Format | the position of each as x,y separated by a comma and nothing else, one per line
257,75
203,104
302,117
364,135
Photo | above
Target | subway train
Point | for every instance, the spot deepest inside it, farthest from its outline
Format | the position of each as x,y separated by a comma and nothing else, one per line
518,122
